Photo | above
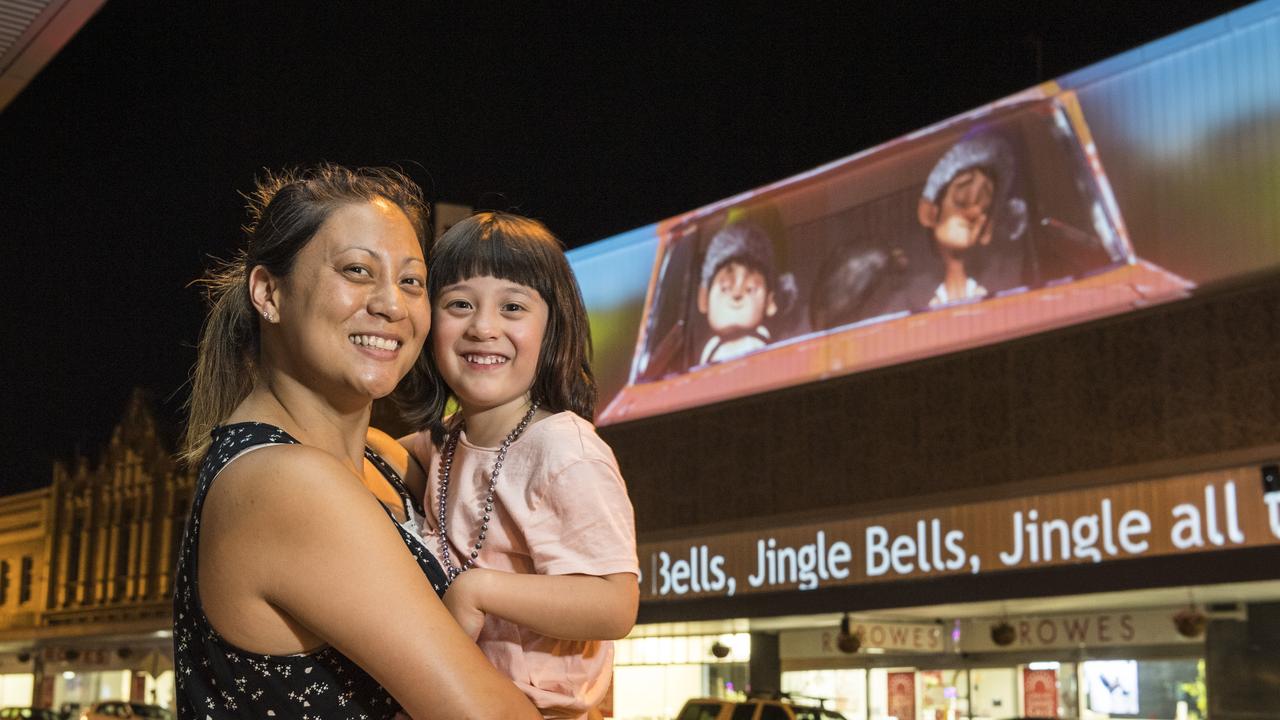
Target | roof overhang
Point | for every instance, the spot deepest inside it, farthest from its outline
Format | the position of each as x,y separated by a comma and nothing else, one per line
31,33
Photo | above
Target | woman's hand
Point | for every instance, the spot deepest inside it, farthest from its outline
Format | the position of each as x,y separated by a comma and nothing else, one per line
463,601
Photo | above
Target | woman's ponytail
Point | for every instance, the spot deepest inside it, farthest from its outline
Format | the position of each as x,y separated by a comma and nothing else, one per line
222,377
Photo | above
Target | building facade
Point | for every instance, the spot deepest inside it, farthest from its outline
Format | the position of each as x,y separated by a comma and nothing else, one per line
1052,493
767,520
92,557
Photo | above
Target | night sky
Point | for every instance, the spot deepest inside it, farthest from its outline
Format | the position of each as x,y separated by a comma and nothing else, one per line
122,163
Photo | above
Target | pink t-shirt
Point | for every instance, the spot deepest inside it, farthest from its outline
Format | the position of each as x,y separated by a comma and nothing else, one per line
562,508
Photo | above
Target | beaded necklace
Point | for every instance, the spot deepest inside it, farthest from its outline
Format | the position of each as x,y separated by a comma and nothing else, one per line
446,465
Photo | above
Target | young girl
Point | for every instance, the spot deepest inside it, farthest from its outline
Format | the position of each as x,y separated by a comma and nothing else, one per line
528,512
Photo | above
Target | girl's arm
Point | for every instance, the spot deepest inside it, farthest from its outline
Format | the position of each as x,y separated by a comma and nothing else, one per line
571,607
581,536
305,537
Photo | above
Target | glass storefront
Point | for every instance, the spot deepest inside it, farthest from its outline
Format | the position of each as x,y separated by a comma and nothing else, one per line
654,676
1159,689
17,689
77,690
843,690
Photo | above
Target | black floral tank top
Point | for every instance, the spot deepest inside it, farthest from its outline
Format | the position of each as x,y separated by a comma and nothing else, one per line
216,679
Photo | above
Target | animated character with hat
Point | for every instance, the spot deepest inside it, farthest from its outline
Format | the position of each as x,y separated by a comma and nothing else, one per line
739,291
957,205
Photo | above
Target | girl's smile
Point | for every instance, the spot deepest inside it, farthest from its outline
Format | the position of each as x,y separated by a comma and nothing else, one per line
482,360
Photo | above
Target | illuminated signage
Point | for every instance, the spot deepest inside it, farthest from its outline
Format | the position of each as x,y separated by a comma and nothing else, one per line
1121,628
1143,627
888,636
1201,512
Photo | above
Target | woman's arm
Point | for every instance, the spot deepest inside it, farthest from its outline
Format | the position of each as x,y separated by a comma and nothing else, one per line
571,607
323,552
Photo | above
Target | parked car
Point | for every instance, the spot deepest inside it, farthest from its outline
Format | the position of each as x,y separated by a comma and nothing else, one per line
150,711
106,710
28,713
112,709
756,708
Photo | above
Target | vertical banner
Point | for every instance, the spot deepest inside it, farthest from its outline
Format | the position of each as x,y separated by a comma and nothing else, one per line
44,695
1040,693
138,689
902,694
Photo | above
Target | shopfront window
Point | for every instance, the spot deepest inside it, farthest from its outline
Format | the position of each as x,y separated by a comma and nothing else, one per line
81,689
16,689
654,676
1164,689
943,694
843,690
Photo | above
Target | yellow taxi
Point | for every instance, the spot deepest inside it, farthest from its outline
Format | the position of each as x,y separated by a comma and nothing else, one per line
755,708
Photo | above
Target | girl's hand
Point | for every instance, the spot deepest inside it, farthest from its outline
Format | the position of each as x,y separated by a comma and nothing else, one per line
463,601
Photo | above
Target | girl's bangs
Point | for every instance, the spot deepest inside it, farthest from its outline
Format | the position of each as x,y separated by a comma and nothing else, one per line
494,256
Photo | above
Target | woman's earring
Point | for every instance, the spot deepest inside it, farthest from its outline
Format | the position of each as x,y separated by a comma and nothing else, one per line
268,316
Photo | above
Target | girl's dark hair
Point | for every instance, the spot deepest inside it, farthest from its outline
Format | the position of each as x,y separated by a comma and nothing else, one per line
285,211
524,251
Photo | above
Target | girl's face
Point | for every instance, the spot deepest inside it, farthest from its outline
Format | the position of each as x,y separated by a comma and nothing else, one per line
353,313
486,341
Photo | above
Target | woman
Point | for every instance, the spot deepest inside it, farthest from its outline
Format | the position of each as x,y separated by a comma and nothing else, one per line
280,607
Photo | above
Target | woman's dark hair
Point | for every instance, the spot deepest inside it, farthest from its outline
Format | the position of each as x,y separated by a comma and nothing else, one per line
524,251
285,211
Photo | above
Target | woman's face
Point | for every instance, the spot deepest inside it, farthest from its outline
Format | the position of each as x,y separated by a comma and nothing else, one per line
353,313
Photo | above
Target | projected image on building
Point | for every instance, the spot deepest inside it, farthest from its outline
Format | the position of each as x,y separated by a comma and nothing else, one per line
998,223
1140,180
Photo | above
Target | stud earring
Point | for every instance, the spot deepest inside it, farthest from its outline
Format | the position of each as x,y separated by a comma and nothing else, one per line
268,316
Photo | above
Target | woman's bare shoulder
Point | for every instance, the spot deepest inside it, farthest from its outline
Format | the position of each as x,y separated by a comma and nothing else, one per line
280,482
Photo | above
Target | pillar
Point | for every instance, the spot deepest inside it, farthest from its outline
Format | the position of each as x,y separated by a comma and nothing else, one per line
1242,665
764,672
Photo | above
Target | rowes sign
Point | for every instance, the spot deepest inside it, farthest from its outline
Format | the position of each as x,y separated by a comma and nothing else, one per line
1201,512
1117,628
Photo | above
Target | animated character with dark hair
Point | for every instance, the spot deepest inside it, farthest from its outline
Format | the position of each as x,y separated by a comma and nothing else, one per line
847,281
957,206
740,291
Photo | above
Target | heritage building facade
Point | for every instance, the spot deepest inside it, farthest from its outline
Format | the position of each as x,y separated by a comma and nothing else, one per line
86,573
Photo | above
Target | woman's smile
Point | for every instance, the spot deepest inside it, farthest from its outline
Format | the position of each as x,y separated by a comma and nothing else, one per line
380,347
